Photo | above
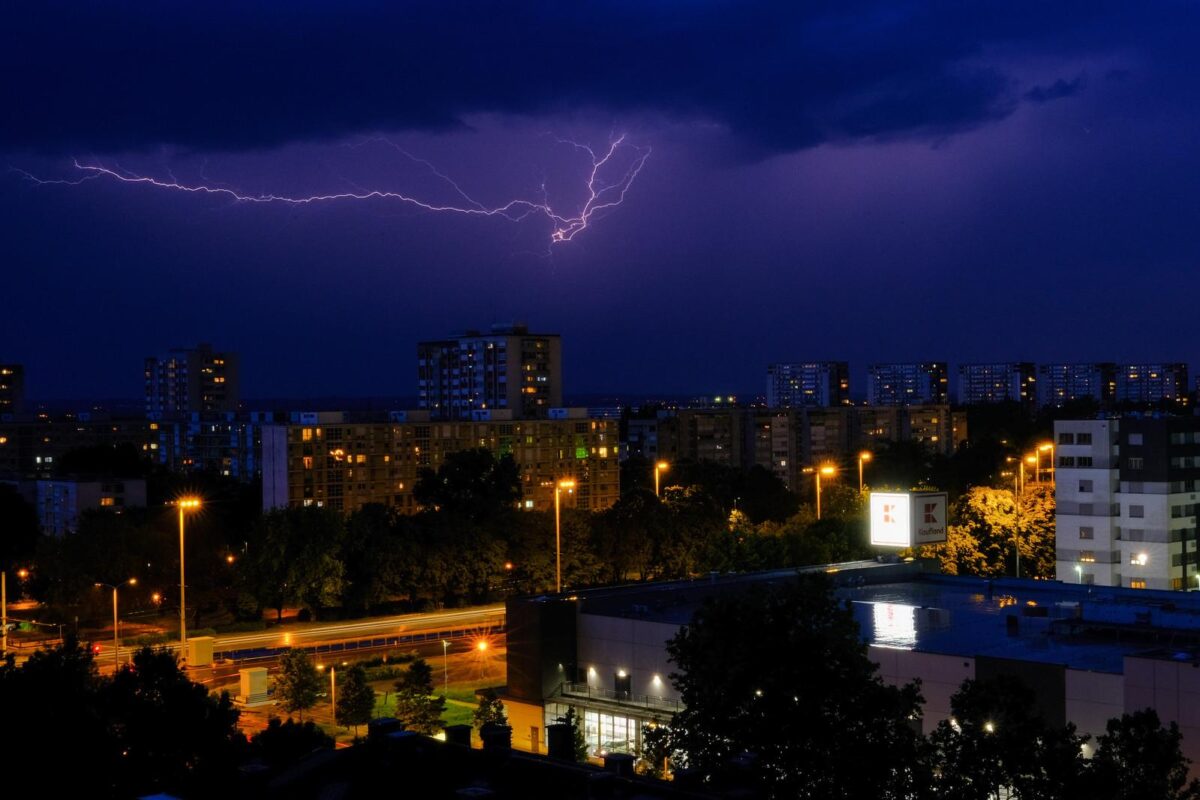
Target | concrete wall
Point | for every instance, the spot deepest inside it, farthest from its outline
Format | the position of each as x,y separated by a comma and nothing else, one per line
1173,690
941,676
1093,698
608,645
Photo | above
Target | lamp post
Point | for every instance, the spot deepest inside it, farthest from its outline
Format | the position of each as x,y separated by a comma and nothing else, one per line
659,468
3,614
829,471
445,666
569,485
116,635
1042,448
865,455
184,504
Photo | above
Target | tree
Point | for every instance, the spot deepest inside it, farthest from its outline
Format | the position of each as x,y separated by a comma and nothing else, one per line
284,743
471,483
416,707
490,710
152,695
295,555
355,699
988,527
781,671
578,741
996,739
298,683
146,730
657,748
1138,759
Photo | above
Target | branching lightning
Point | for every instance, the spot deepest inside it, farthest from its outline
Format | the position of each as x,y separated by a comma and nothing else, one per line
610,176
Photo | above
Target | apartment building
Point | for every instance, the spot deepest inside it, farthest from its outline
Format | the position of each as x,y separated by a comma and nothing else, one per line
12,389
1126,494
814,384
508,369
1153,384
325,460
1059,384
922,383
191,379
1003,382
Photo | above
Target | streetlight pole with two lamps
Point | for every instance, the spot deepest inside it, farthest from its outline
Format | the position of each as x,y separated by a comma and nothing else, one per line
116,634
828,470
569,485
184,505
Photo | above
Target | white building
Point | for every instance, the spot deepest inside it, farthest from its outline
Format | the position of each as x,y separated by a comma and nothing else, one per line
1126,496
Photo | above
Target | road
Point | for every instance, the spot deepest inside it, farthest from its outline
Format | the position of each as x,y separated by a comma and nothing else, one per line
362,636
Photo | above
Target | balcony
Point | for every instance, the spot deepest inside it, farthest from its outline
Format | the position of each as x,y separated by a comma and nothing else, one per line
649,702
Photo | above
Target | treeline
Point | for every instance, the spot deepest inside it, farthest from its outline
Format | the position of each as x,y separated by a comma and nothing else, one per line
147,729
470,545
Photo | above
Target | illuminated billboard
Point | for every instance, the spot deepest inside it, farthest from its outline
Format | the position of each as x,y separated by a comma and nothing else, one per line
908,519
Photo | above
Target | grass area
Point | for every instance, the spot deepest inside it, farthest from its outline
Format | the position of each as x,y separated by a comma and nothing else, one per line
460,704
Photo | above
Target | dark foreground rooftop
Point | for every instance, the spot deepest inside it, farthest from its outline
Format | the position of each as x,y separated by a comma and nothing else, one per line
908,605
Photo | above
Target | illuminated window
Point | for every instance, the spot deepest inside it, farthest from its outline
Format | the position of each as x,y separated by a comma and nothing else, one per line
1137,584
106,501
361,458
308,462
306,435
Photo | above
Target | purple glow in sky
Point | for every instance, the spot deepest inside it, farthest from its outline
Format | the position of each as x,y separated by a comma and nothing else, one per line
860,181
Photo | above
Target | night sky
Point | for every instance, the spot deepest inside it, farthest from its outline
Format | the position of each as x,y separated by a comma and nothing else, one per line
828,180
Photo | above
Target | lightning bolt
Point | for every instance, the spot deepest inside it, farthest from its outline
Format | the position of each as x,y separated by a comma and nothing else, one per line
606,186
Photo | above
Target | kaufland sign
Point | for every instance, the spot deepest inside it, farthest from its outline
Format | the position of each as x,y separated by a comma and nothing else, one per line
908,519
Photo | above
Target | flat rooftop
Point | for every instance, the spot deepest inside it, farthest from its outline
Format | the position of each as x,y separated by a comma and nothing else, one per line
905,606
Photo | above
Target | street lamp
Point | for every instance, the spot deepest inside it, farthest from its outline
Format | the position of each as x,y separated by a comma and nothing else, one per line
1047,447
659,468
828,470
445,666
569,485
865,455
116,636
184,504
1033,461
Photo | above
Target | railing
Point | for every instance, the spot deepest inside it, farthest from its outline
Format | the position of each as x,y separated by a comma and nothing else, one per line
623,698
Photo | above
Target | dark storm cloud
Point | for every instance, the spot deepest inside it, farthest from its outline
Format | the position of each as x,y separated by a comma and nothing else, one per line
1055,91
782,76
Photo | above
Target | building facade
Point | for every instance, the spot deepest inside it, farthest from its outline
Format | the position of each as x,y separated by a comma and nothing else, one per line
324,460
816,384
1059,384
508,369
186,380
1006,382
1126,494
12,389
1153,384
925,383
60,501
603,652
